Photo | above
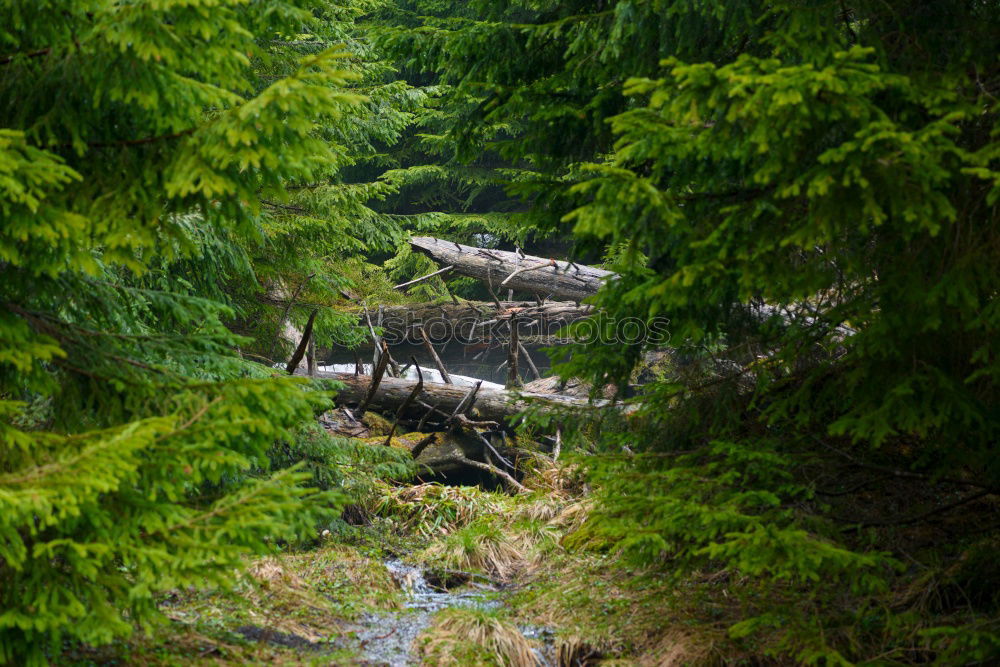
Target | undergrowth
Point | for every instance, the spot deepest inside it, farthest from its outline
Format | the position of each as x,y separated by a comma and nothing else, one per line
474,637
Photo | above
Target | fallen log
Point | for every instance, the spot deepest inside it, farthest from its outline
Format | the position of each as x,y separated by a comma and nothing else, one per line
391,394
549,278
566,280
476,321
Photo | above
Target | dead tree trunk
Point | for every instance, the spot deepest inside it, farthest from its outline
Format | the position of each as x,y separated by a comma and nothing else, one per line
565,280
474,321
497,405
500,268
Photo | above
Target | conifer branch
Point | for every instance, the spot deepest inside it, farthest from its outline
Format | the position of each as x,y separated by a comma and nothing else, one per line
30,54
129,142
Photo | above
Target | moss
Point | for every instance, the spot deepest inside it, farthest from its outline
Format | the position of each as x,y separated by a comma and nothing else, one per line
377,424
403,442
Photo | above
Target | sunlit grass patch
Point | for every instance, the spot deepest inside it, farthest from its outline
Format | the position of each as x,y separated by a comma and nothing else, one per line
351,581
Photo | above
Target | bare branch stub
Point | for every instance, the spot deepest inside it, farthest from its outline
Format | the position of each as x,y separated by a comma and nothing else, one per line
377,374
409,399
423,444
513,377
284,315
434,356
300,351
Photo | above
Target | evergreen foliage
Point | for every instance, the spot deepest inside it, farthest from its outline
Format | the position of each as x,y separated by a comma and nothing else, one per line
135,152
808,193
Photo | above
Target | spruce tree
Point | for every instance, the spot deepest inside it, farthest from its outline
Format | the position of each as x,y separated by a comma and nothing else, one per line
137,143
808,193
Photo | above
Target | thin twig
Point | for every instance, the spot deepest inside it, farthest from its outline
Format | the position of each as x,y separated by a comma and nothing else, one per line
30,54
466,403
430,410
489,286
131,142
423,278
462,460
489,446
531,364
517,272
906,474
918,517
434,356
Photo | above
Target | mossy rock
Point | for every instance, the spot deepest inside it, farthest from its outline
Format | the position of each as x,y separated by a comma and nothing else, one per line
376,423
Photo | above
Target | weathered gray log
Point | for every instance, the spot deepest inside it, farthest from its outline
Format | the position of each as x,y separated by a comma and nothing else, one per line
472,321
565,280
490,404
547,277
373,382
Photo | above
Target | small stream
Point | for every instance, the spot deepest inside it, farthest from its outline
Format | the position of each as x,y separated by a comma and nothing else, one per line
386,638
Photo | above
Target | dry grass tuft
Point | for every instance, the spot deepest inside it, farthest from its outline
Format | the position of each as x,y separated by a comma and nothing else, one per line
571,517
481,547
434,510
562,480
574,651
464,636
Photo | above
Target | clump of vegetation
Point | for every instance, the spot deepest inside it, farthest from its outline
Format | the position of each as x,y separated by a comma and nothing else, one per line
467,637
434,509
282,608
483,546
355,466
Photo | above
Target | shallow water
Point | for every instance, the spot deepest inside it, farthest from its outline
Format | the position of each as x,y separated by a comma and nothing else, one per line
386,638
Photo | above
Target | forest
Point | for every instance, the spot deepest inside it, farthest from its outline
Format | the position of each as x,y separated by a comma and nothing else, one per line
499,332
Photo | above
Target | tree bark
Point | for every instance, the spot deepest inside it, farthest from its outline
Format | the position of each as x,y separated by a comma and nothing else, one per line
565,280
513,377
546,277
300,351
490,404
473,321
